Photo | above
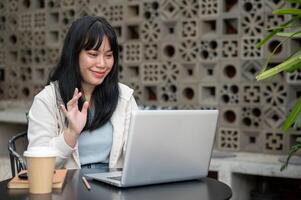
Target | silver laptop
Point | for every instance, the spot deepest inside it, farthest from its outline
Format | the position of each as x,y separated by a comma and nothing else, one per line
165,146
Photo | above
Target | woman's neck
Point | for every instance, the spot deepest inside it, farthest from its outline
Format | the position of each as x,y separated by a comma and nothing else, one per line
87,91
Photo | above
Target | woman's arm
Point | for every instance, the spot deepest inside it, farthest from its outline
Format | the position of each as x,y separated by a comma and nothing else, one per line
43,127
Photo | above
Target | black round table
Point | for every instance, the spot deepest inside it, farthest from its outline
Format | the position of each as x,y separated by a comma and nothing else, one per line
73,189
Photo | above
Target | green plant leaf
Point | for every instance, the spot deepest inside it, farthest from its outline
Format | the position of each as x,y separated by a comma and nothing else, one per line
267,38
275,31
293,68
291,64
291,152
289,34
293,1
297,66
275,49
297,122
287,11
286,27
292,116
286,65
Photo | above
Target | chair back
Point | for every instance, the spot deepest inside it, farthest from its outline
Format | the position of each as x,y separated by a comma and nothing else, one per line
16,146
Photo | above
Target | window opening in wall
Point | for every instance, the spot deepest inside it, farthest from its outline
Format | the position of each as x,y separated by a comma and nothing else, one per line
234,89
205,54
13,39
173,88
247,121
275,117
225,98
151,93
256,112
248,6
188,93
209,92
230,26
53,37
41,3
273,45
252,140
209,26
26,3
229,5
210,72
133,10
13,56
230,71
2,75
230,116
133,71
169,50
169,28
40,74
213,44
54,18
3,19
147,15
133,32
155,5
25,92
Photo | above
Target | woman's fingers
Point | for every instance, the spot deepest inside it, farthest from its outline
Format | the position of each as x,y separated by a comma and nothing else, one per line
64,110
85,108
75,92
74,100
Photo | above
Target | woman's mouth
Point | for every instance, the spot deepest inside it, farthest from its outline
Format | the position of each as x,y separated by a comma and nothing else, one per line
99,74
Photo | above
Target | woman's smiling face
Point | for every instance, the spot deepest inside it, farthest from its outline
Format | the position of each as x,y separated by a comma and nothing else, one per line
95,65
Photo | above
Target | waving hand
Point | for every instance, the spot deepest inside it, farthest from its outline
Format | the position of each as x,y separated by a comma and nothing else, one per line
76,118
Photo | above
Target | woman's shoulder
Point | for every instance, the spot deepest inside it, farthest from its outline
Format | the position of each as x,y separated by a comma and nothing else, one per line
125,91
48,92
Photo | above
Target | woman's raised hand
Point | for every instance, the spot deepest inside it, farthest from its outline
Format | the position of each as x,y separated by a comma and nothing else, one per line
76,118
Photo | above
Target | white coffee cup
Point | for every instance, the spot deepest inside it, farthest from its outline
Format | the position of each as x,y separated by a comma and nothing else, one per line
40,168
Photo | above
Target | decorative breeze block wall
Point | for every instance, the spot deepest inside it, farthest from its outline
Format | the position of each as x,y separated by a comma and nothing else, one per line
176,54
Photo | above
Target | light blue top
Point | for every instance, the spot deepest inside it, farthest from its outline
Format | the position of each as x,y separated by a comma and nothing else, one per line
95,146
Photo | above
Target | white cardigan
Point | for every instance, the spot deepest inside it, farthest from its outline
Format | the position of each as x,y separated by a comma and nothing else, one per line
47,124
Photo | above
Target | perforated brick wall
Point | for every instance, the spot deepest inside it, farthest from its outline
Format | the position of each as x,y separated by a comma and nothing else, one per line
182,54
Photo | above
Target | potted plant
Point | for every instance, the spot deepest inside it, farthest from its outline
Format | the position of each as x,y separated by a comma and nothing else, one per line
288,30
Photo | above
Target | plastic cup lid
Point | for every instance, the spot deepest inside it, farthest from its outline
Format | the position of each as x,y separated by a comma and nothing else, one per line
40,151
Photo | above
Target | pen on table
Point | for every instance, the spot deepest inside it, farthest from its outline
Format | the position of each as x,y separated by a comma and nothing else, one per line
86,183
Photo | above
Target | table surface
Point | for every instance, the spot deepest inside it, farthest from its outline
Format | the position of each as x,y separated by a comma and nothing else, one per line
205,189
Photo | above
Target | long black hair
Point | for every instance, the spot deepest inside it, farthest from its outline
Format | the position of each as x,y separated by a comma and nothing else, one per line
88,33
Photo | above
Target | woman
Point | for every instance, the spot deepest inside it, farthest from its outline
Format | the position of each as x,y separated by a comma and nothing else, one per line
84,113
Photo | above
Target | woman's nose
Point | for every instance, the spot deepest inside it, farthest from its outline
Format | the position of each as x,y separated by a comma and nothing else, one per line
100,62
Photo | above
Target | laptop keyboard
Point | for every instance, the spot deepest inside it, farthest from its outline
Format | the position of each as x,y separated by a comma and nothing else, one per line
118,178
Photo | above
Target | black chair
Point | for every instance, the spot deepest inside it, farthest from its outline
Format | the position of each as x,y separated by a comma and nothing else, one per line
16,146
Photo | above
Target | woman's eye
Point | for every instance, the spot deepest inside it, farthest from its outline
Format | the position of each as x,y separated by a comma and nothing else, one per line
109,55
92,54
